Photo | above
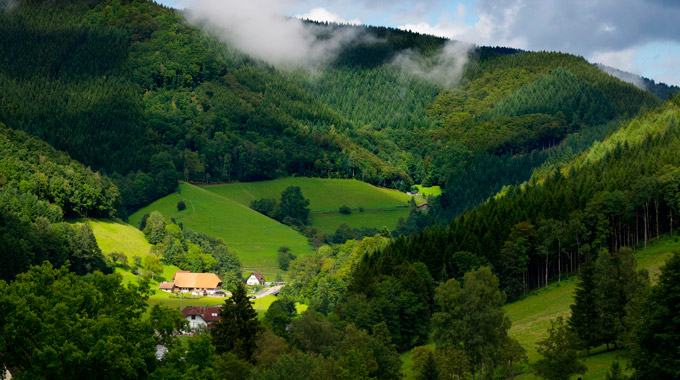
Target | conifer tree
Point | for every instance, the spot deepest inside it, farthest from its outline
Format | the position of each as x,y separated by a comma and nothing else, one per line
584,312
238,326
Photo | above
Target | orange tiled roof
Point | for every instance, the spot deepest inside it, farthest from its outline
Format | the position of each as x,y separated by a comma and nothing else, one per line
185,279
166,285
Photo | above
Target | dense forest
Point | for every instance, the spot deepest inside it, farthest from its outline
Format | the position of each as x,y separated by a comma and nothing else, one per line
170,101
622,192
39,187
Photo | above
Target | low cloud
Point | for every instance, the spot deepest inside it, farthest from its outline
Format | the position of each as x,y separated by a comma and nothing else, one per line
445,68
260,29
323,15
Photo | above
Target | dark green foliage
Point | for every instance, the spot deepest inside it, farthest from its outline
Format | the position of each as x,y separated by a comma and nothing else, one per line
312,333
584,320
657,334
344,233
279,315
208,113
265,206
560,359
181,206
344,209
402,300
38,187
558,91
238,327
284,257
613,199
91,325
293,208
49,183
142,223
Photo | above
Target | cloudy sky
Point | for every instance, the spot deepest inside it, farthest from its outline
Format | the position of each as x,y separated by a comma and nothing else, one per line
639,36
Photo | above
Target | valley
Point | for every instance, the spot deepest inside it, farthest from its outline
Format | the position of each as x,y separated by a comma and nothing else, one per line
421,207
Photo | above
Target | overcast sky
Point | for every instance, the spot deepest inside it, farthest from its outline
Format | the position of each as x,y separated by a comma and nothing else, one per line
639,36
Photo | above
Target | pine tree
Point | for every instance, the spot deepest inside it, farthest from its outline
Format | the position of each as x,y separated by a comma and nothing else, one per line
584,312
238,326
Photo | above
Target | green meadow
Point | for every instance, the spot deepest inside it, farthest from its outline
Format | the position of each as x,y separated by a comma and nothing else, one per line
432,191
371,206
328,222
254,237
115,236
325,195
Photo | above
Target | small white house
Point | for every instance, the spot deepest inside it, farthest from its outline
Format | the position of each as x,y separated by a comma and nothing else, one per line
255,278
201,316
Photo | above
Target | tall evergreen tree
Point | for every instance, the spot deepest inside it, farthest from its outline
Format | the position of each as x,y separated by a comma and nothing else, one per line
238,326
584,320
656,354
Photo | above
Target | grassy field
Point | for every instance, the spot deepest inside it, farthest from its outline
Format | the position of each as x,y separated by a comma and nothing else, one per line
325,195
381,207
115,236
254,237
432,191
329,222
531,315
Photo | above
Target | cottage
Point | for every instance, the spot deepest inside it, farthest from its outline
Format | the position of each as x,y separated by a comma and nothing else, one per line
255,278
167,286
201,316
197,283
423,207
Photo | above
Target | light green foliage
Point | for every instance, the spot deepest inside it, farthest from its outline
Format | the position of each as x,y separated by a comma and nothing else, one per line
153,264
155,228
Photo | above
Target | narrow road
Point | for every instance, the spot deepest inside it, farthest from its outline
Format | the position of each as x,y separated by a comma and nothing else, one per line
268,291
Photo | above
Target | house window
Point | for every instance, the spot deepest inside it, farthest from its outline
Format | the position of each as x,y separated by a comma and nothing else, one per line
214,314
193,317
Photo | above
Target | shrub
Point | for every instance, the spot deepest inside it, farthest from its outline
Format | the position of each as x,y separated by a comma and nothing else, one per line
181,205
344,209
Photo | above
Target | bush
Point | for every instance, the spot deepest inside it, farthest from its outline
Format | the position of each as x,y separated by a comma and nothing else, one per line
181,205
344,209
285,257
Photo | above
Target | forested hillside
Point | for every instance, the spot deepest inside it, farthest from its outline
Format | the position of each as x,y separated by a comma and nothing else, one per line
39,187
167,101
163,101
622,192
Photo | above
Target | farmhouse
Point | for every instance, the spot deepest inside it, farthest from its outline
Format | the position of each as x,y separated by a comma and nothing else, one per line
201,316
196,283
255,278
